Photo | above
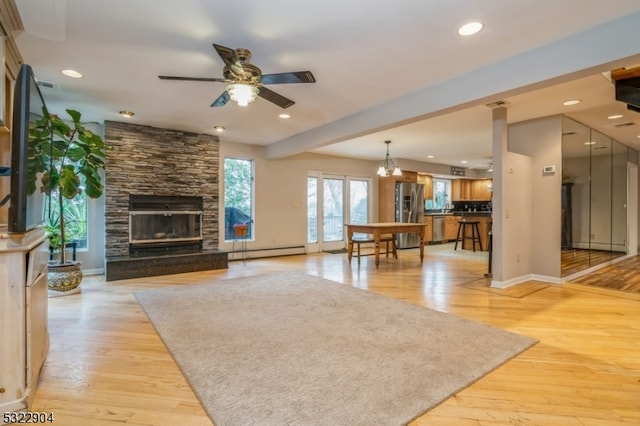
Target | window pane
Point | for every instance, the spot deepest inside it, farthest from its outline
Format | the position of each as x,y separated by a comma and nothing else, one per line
312,210
333,208
75,218
441,191
358,201
238,197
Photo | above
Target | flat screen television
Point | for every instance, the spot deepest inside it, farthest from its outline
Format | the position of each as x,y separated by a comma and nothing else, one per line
26,208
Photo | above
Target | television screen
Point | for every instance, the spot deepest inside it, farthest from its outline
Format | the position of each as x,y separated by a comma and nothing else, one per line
26,205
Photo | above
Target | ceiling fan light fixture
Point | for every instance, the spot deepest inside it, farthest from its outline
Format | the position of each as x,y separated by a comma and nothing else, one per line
242,93
388,166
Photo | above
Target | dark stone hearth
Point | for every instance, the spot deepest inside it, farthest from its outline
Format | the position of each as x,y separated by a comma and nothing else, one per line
125,267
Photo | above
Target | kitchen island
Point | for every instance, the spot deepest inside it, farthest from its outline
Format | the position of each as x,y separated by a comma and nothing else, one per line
449,223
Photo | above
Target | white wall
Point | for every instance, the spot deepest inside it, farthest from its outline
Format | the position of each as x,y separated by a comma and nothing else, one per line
541,141
281,191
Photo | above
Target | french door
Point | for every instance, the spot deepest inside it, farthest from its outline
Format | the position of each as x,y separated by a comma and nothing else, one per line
332,201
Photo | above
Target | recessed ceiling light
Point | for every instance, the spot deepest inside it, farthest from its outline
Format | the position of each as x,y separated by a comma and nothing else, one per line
219,129
127,114
284,116
615,117
571,102
433,156
470,28
464,161
72,73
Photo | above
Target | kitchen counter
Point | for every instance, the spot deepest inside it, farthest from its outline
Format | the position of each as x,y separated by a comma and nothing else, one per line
443,227
458,213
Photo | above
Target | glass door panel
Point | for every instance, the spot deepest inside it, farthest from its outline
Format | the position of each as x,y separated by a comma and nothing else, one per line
333,209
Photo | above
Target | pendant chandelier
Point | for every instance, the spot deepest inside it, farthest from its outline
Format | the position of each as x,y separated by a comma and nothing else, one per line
388,166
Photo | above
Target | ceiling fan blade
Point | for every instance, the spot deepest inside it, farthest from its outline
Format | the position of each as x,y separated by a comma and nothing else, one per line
230,59
171,77
288,77
274,97
221,100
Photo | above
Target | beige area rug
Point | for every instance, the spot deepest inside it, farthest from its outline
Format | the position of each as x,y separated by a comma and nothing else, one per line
447,250
292,349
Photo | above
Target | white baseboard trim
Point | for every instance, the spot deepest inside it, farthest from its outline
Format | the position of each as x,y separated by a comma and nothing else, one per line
267,252
511,282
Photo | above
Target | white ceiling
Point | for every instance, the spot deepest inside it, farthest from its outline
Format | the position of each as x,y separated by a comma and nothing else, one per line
378,65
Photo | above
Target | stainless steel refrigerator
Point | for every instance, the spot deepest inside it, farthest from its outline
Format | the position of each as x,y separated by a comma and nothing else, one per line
409,209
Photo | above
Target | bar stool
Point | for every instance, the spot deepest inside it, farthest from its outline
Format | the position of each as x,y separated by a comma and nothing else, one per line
475,234
388,239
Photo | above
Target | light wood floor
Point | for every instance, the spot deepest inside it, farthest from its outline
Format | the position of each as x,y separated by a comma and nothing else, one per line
107,366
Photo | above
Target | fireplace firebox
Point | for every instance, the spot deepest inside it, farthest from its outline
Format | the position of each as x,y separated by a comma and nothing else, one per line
165,224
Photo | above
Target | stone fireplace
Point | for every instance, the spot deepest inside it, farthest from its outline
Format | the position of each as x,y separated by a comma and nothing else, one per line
161,202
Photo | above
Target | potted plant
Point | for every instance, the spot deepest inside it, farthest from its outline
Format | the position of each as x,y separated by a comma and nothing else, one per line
68,158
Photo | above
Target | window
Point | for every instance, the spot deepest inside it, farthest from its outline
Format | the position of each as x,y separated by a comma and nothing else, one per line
441,193
238,197
75,218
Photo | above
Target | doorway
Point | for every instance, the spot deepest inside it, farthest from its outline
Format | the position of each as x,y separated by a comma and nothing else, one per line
333,201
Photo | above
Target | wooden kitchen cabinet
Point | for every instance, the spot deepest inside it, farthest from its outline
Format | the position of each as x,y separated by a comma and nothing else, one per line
461,190
411,177
428,229
451,227
427,181
470,190
480,190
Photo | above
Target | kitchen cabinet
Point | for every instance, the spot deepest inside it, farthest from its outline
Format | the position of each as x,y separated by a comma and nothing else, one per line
428,229
480,190
471,190
461,190
387,194
451,227
427,181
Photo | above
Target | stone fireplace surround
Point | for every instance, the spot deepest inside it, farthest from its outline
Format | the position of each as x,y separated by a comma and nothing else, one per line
159,162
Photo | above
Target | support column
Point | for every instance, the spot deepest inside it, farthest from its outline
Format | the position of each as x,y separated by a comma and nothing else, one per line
499,147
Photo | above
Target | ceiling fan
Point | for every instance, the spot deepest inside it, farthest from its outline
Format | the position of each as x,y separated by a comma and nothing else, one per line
246,81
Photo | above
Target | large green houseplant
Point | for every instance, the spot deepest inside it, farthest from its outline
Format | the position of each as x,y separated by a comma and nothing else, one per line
67,160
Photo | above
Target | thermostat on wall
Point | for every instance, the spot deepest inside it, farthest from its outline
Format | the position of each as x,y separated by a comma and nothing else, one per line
549,169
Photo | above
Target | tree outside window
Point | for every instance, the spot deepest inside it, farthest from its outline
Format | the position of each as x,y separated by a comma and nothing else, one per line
75,216
238,197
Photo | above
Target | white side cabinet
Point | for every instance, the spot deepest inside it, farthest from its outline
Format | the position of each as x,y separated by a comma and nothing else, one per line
24,336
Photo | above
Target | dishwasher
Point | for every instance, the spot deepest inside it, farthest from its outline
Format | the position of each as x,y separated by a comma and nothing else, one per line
438,229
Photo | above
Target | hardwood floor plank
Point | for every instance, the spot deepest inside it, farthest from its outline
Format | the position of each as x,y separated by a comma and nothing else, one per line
107,366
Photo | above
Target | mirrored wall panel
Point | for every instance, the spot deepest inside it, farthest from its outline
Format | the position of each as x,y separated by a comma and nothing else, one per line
594,197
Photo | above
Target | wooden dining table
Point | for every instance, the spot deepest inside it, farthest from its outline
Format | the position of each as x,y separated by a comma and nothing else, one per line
382,228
